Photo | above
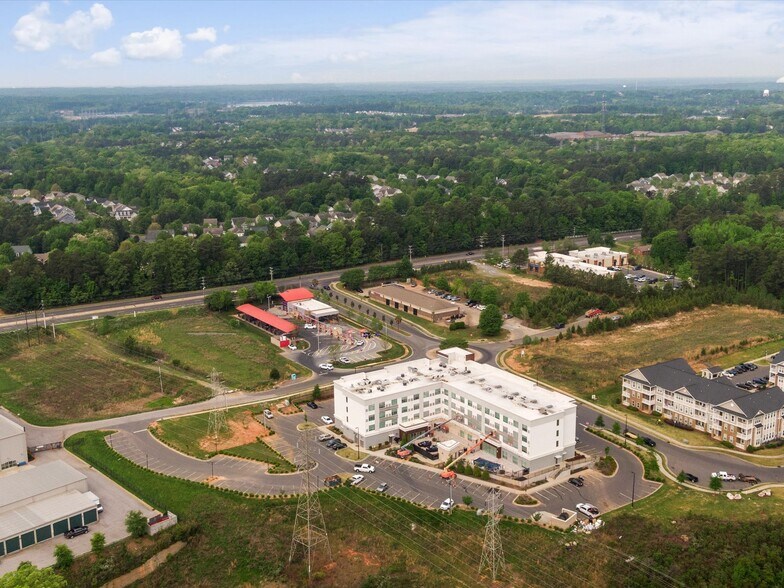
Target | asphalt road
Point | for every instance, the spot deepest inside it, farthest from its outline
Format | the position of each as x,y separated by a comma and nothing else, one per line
194,298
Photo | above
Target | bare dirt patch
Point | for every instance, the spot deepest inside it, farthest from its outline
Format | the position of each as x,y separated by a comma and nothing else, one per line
147,336
366,558
290,409
243,429
529,281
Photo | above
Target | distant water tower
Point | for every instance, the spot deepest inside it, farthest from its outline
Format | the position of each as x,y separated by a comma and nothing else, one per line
766,93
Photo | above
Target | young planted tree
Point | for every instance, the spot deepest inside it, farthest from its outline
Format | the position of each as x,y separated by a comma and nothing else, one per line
136,523
97,543
63,557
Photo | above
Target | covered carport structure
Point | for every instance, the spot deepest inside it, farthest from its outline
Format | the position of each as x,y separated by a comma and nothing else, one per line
274,325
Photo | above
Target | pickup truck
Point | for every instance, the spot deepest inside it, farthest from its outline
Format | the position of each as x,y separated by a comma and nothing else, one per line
724,476
749,479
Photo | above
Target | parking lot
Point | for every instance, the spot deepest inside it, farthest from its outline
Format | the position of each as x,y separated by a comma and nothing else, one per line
323,348
758,372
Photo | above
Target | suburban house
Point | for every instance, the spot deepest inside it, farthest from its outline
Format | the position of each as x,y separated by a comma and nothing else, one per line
63,214
713,405
20,250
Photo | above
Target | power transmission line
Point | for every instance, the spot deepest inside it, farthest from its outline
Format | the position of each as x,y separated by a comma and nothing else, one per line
309,528
492,551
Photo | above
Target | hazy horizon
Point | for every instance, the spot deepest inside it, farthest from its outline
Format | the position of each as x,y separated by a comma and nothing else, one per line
80,44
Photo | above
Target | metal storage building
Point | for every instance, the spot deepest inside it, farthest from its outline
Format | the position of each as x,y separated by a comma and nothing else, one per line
39,503
13,444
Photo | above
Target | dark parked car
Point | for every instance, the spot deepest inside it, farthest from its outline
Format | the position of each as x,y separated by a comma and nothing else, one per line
312,404
76,531
339,445
690,478
425,443
559,325
157,297
649,442
637,268
749,479
578,481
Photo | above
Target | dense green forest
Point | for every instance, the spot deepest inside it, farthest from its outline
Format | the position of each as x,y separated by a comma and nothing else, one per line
323,151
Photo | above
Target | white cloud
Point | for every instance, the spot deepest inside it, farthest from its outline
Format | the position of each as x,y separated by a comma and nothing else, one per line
296,77
217,53
540,40
203,34
38,32
226,28
108,57
157,43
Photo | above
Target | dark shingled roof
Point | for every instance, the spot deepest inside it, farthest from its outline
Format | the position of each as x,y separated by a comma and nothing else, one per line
748,405
778,358
677,373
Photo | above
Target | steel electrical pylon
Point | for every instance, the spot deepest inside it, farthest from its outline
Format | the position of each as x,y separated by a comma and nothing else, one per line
309,528
492,551
217,421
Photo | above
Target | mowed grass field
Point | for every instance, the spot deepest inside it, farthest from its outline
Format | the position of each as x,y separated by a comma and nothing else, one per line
78,379
197,341
593,365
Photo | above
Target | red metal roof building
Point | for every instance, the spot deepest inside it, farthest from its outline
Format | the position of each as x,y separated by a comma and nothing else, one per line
267,321
296,295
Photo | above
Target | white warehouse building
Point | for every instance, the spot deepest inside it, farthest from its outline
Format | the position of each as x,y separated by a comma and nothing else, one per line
13,444
533,427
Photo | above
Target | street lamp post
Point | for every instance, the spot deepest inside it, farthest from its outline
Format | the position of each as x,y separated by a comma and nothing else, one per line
634,480
356,440
268,301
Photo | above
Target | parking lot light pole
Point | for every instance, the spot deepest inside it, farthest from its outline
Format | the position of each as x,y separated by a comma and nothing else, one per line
356,440
634,479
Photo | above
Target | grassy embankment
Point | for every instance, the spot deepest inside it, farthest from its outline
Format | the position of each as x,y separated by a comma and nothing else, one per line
375,540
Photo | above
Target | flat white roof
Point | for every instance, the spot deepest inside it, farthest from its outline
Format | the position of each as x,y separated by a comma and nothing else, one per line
9,428
37,514
572,262
485,382
37,480
315,307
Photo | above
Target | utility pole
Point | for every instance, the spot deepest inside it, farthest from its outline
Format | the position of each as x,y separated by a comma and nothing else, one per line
160,378
492,551
272,279
634,481
451,500
203,283
309,528
482,239
217,420
503,248
410,253
43,311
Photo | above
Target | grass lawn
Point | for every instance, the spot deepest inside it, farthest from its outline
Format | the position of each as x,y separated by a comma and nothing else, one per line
197,341
752,353
350,454
672,502
375,540
77,378
594,365
260,451
188,434
507,282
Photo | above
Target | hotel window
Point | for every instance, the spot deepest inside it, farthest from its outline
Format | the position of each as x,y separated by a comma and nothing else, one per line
373,407
556,443
506,419
497,416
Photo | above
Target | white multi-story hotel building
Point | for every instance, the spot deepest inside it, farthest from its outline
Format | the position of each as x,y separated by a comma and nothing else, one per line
533,427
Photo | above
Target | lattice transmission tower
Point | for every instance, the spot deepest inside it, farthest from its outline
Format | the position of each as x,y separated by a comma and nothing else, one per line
492,551
217,421
309,528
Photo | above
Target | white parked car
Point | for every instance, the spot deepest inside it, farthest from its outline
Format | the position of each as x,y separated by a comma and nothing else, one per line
447,504
344,360
588,509
326,366
365,468
293,347
310,325
268,413
724,476
326,420
357,479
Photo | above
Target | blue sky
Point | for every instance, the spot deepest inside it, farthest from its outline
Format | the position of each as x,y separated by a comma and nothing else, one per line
141,43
